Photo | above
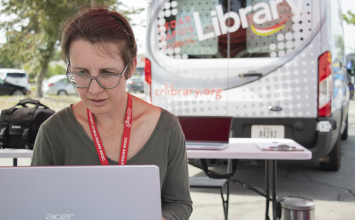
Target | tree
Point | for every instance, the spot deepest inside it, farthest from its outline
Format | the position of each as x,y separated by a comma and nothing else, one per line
33,32
349,18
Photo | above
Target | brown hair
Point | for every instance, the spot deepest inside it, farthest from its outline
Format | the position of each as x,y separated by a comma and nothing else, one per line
99,26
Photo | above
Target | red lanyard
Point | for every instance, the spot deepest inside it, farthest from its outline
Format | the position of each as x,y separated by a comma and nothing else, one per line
125,137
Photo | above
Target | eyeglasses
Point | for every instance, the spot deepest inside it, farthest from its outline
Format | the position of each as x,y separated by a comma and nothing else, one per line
106,80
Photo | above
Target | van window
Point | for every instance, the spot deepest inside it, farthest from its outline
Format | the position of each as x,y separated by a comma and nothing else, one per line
186,30
191,29
16,75
265,29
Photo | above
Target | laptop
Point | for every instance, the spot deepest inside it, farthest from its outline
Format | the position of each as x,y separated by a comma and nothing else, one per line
206,133
80,192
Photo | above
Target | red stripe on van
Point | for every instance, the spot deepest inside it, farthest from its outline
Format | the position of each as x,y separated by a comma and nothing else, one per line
148,75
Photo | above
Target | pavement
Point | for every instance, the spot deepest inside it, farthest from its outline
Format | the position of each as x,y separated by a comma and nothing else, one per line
208,204
332,192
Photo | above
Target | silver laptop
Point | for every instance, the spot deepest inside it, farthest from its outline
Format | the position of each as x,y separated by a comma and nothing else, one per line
80,192
206,133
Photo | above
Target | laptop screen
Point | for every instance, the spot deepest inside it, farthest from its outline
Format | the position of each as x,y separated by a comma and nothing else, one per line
206,129
80,192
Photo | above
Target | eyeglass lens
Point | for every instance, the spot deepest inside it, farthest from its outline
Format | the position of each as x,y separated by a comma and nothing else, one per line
83,80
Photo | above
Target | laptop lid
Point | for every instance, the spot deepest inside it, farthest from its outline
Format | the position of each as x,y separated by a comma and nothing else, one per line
206,129
80,192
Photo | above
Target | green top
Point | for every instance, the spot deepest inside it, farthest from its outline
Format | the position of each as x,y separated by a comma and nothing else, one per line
62,141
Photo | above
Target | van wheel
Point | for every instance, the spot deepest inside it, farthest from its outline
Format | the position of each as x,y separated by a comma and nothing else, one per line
17,93
344,135
62,93
334,158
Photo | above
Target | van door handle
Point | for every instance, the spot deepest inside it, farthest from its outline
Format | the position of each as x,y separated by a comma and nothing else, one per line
243,75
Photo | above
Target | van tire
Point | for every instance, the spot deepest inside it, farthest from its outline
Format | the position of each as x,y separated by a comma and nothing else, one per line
62,92
334,158
17,92
344,135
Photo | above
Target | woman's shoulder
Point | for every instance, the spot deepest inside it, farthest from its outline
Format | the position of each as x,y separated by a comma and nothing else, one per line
59,118
154,119
153,114
144,111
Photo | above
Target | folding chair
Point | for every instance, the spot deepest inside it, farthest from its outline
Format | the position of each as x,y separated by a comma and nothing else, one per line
206,182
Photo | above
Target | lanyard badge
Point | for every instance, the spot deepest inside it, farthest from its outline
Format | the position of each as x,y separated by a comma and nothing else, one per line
125,137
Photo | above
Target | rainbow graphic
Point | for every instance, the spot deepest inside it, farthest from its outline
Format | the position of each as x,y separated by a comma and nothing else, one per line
269,30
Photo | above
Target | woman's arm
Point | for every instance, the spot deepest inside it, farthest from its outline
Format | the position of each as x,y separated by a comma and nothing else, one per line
176,200
42,153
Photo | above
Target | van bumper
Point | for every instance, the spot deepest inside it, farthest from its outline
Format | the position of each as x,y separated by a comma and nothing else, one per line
322,146
302,130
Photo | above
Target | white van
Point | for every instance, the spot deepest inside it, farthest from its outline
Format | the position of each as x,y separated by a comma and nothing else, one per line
276,66
15,76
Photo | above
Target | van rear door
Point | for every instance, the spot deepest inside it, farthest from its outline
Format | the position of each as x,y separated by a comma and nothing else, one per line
219,57
267,67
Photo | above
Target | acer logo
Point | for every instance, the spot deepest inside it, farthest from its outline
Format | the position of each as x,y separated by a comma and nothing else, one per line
59,216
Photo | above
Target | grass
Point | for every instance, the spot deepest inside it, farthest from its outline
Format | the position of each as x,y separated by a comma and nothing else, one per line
54,102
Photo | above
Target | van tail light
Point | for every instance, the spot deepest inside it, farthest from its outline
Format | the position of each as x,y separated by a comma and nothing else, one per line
50,84
325,87
148,76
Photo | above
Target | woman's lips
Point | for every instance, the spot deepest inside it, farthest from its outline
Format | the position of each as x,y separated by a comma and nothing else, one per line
97,102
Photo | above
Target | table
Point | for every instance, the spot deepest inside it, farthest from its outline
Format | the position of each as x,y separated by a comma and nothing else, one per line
239,148
245,148
15,153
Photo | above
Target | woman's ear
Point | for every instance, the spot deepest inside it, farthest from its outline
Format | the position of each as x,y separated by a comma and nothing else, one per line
133,67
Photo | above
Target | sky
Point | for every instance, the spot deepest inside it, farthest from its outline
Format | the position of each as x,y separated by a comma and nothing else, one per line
140,30
349,30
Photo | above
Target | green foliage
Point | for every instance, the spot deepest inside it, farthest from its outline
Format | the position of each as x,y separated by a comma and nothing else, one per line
7,61
349,18
55,70
32,35
56,54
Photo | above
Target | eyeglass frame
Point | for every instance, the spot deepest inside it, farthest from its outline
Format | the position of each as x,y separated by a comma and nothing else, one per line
96,78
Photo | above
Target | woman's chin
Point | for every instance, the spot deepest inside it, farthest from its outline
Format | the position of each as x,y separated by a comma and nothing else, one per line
98,108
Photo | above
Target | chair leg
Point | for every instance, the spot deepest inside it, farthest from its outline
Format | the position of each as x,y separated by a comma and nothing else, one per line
225,202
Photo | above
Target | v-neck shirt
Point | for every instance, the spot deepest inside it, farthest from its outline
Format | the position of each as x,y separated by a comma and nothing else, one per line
62,141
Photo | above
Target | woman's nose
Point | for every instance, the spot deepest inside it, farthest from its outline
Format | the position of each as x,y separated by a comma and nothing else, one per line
95,87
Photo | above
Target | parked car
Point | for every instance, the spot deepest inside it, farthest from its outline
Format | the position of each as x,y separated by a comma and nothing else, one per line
50,81
15,76
135,84
11,89
58,85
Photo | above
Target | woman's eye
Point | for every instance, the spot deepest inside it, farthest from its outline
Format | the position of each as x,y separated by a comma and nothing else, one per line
106,75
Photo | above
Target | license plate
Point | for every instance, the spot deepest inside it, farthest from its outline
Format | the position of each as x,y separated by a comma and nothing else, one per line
268,131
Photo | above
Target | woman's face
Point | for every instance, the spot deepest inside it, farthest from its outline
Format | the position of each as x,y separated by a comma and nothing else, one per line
85,57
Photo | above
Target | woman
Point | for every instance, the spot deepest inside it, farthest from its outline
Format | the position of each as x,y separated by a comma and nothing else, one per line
100,49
